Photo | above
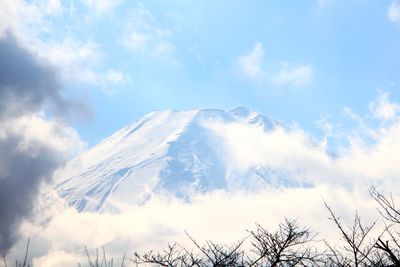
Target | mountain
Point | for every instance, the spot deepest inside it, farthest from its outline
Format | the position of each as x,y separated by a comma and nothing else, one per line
172,152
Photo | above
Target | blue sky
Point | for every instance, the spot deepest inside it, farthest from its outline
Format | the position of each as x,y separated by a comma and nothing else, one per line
296,61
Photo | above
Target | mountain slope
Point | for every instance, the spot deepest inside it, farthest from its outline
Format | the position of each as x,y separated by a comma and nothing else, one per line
174,152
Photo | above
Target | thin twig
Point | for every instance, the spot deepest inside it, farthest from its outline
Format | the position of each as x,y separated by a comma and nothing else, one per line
26,252
87,254
123,260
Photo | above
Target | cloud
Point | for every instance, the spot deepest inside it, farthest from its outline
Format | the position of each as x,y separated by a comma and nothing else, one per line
101,7
26,19
77,61
26,84
54,6
32,147
293,75
58,258
370,157
381,157
219,216
70,53
249,146
252,66
393,12
35,130
383,109
325,125
10,13
142,35
115,77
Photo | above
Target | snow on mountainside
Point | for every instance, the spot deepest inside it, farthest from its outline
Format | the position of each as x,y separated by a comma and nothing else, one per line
174,152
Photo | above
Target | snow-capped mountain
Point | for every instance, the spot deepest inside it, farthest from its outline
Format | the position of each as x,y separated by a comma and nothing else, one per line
173,152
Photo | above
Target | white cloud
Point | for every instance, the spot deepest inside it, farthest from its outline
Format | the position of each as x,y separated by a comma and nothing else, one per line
371,155
70,51
28,19
58,258
142,35
383,109
101,7
18,16
249,146
115,76
211,216
35,131
325,125
252,66
393,12
377,163
54,7
71,56
293,75
77,60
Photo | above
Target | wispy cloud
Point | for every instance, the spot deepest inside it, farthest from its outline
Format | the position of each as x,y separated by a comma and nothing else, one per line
21,17
298,75
142,34
75,59
102,7
382,108
114,76
393,12
252,66
71,56
78,62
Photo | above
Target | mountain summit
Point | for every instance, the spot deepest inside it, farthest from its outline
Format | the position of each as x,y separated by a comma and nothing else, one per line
173,152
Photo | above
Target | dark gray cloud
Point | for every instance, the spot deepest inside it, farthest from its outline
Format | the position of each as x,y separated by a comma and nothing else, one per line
21,174
27,85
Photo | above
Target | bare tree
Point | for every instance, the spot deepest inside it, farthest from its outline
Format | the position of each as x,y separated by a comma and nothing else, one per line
173,256
389,244
387,206
210,254
358,248
288,246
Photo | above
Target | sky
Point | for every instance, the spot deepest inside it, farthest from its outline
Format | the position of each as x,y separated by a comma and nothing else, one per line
296,62
74,72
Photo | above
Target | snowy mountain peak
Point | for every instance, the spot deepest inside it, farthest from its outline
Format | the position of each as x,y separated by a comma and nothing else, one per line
173,152
239,111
